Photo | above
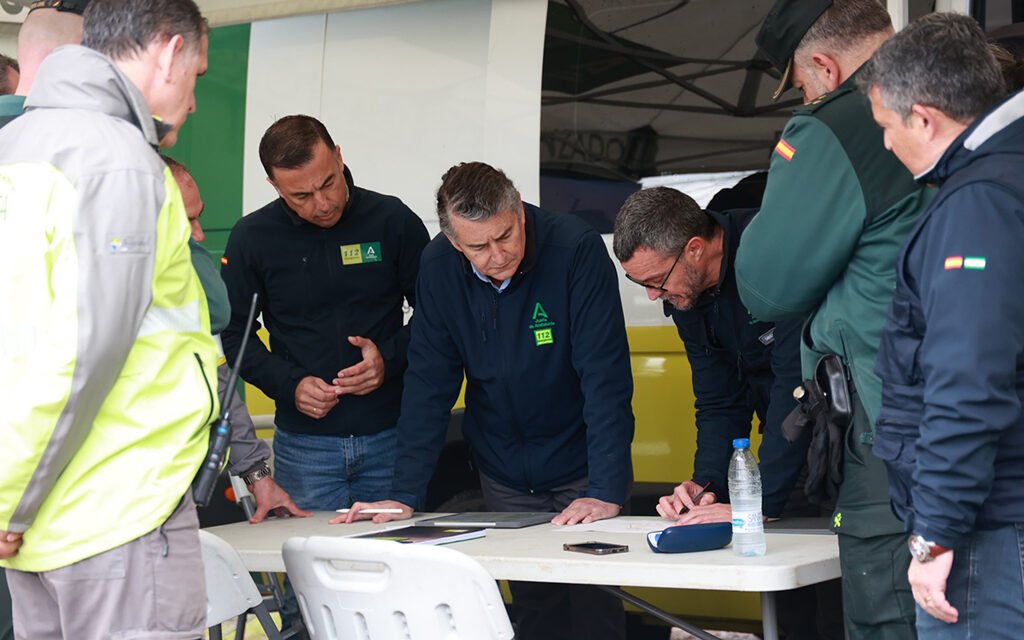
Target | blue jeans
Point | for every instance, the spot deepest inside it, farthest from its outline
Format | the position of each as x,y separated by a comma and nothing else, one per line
323,473
986,587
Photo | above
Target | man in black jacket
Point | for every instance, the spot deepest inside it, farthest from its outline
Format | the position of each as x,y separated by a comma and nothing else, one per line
683,256
741,367
332,264
525,305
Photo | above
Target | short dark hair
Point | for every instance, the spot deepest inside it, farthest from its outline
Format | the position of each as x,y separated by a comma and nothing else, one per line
846,24
121,29
7,62
660,218
1011,66
474,191
289,143
941,60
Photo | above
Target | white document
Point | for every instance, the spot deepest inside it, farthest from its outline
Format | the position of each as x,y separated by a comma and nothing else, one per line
619,525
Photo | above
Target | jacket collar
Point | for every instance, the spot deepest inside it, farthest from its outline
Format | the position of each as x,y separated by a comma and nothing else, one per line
986,136
730,243
75,77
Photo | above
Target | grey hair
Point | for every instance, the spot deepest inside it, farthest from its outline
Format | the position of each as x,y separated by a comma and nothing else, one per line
844,26
662,219
474,191
122,29
941,60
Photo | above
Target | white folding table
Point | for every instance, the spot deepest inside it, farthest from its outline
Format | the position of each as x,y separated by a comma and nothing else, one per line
535,554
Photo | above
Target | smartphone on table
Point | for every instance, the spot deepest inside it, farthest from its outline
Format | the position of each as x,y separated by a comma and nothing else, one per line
596,548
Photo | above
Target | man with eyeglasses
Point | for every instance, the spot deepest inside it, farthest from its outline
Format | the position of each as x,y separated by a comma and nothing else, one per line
683,257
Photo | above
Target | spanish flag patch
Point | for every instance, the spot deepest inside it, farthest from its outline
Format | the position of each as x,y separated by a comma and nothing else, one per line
785,150
223,260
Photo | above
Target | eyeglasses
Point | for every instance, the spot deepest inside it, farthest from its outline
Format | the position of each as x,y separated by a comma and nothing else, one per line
663,282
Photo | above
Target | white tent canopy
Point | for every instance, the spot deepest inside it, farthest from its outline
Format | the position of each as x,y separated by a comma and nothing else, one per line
224,12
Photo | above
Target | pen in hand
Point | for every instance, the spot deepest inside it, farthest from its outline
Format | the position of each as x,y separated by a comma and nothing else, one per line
697,497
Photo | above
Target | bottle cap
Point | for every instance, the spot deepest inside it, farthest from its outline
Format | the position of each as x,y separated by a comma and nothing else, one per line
741,443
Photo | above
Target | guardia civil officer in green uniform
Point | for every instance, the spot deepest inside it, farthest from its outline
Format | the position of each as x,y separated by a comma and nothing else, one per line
836,210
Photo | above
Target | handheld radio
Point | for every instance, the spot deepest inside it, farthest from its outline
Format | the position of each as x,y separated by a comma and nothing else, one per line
220,435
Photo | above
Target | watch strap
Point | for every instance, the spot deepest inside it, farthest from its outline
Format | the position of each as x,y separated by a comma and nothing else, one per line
937,549
924,550
256,473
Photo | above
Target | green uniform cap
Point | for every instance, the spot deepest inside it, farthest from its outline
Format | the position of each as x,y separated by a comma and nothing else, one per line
783,29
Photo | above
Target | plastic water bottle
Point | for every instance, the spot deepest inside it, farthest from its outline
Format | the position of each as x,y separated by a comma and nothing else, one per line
745,496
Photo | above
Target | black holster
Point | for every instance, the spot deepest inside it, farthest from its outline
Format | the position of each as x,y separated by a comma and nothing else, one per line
825,407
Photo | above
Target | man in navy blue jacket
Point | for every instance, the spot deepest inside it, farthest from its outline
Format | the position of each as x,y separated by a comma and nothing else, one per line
684,256
951,428
741,367
525,304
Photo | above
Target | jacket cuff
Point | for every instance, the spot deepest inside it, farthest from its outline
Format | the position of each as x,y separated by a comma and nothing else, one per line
295,376
409,499
614,497
721,495
937,534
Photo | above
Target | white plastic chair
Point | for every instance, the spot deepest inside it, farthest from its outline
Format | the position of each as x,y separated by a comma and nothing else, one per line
230,590
380,590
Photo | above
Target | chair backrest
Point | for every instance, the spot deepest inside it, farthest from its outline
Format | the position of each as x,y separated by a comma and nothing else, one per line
230,590
381,590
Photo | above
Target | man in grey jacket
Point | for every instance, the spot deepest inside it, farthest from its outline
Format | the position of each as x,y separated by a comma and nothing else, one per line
106,386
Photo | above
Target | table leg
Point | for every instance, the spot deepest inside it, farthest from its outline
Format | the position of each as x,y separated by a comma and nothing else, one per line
661,614
769,618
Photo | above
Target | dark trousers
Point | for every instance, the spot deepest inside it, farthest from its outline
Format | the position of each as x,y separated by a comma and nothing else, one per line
6,619
873,554
876,594
814,612
554,611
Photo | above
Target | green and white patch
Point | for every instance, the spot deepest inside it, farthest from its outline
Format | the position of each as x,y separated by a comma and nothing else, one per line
360,253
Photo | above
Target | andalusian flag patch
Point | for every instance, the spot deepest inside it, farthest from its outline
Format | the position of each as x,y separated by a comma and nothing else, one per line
974,263
785,150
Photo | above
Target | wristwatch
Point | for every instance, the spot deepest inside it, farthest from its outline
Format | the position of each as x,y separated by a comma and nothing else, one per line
924,550
256,473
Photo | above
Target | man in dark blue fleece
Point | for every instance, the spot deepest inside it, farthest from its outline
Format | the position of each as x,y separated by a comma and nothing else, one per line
525,304
951,427
683,256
